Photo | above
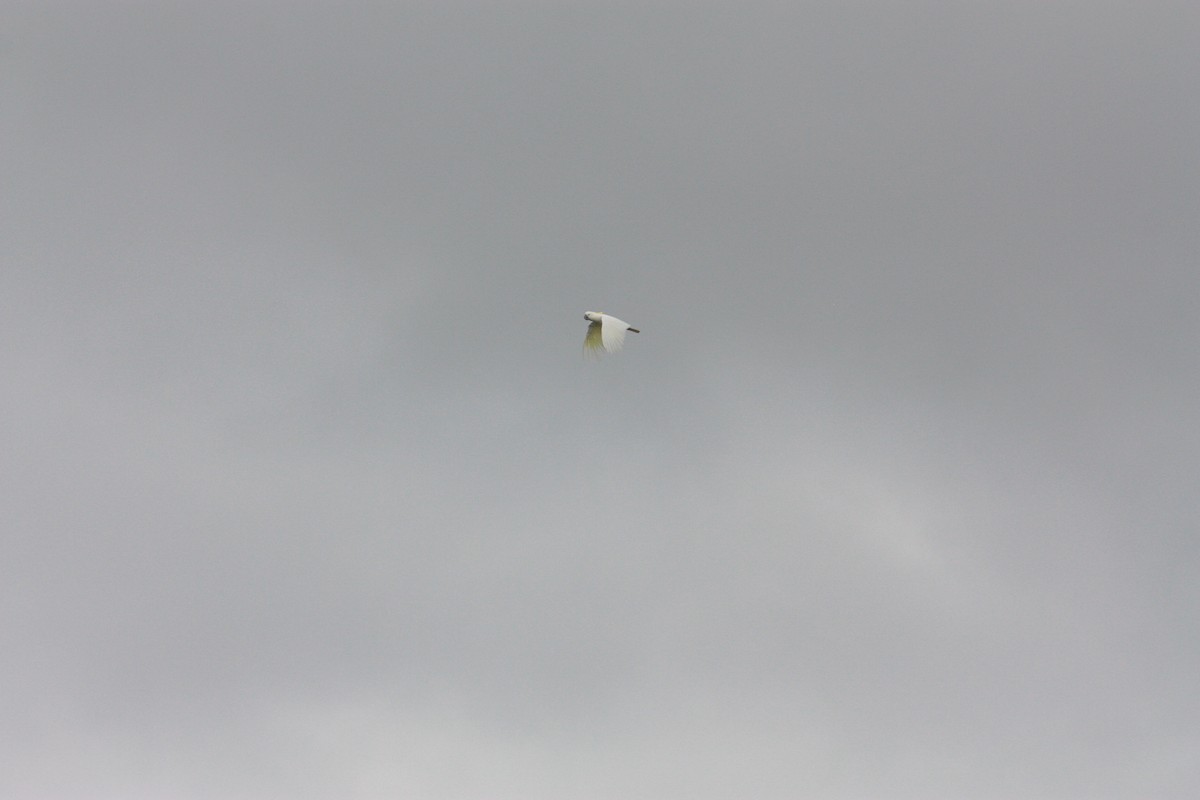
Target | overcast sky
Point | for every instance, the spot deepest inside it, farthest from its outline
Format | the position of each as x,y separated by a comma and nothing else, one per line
307,491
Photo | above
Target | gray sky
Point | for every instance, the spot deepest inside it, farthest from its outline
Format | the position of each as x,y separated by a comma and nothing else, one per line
309,493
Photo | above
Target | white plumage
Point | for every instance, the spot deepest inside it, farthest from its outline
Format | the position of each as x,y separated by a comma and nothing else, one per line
605,334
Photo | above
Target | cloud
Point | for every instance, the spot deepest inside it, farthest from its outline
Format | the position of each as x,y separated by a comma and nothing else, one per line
310,494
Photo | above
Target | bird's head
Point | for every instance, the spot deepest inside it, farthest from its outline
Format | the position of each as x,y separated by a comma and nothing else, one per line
593,316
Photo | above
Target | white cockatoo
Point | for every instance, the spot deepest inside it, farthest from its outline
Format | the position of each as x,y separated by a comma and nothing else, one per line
605,334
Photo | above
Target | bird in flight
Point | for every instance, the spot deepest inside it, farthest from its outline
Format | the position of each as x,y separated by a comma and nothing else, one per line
605,334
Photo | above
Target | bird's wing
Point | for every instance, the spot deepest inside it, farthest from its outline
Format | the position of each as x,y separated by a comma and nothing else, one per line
593,342
613,332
